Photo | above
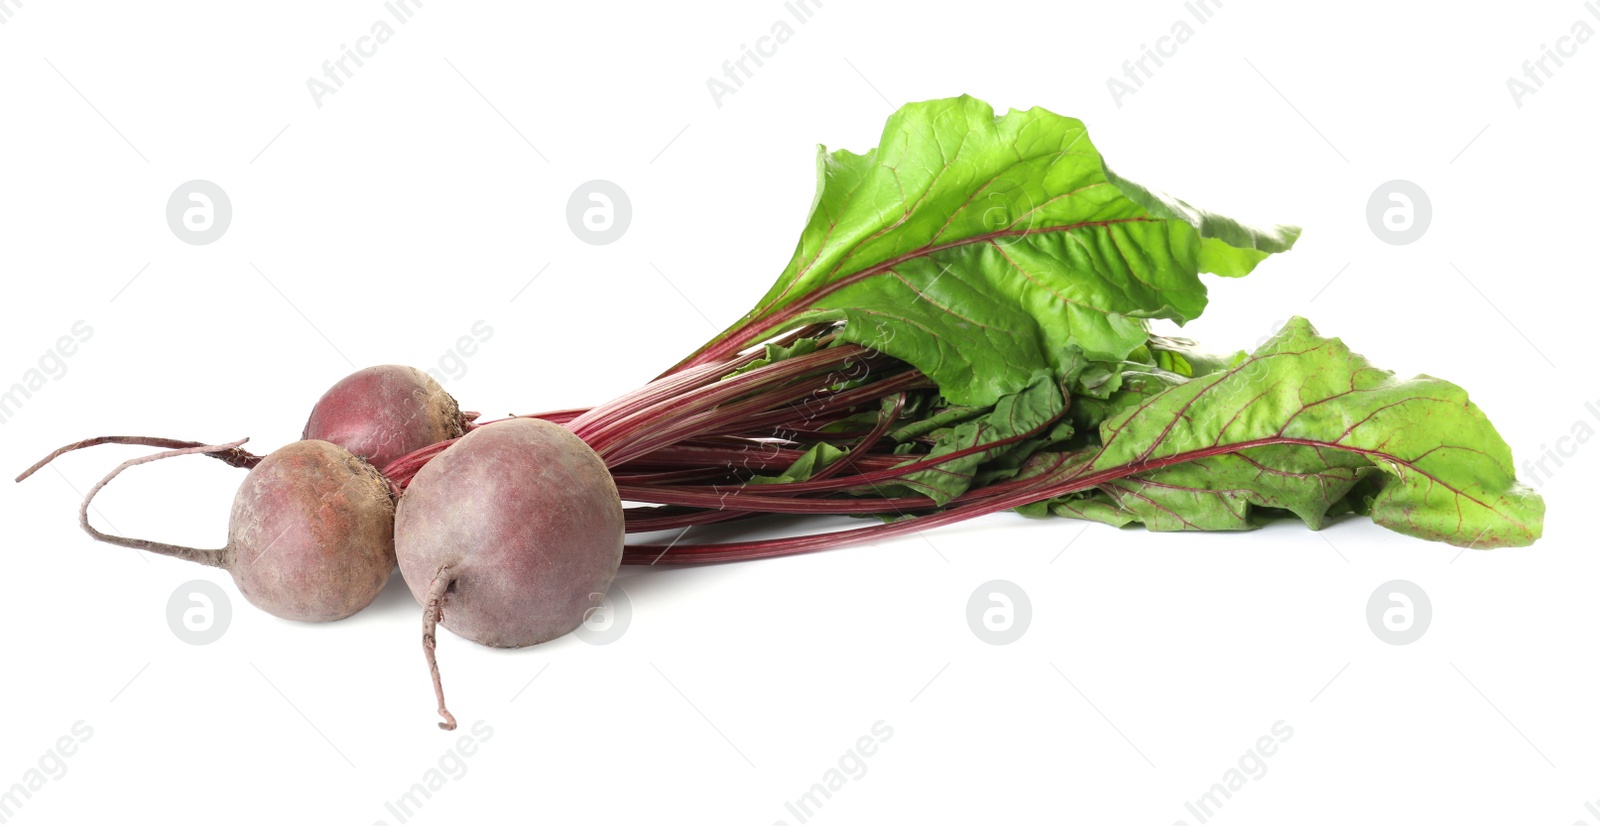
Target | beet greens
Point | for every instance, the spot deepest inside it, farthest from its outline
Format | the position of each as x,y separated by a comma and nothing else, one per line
962,330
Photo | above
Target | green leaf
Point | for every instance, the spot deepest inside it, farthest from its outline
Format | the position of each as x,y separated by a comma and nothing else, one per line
941,418
1304,404
981,249
818,457
1184,357
776,353
1009,462
1222,493
1227,247
1134,388
1095,506
1014,416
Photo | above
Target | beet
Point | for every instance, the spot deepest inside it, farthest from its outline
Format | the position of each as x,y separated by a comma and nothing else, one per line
310,537
509,537
382,413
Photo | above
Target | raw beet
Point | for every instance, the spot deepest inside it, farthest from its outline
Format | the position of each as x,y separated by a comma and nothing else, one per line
510,536
382,413
310,537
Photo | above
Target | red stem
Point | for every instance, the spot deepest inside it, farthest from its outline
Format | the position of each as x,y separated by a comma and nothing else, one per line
993,499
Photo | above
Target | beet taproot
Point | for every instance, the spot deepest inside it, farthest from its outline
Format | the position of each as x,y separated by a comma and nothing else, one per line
509,537
310,535
382,413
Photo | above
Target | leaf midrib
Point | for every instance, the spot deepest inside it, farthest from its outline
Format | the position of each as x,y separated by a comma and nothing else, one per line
789,312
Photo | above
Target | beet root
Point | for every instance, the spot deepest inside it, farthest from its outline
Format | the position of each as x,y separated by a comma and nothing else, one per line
310,536
382,413
509,537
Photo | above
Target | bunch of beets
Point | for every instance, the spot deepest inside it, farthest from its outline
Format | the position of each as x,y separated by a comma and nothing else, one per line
962,330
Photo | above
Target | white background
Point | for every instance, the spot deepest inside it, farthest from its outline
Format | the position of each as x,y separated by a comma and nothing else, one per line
427,193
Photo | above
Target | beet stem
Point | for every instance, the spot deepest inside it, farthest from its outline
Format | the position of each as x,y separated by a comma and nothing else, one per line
217,557
233,456
432,612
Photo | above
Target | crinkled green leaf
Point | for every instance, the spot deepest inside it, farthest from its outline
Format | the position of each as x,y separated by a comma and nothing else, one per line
1222,493
777,352
1095,506
818,457
1016,415
1185,358
1134,388
981,249
1327,414
1009,462
941,418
